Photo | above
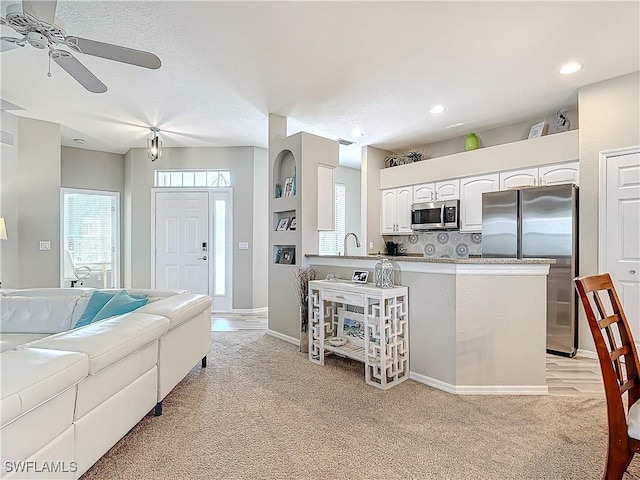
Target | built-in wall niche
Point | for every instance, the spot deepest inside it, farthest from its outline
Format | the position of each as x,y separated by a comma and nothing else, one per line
285,221
284,175
284,254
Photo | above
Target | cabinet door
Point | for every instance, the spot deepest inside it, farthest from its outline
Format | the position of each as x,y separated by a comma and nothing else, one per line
471,190
518,178
423,193
448,189
557,174
388,212
404,199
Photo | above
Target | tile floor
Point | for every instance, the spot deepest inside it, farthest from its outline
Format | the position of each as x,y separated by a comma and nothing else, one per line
565,376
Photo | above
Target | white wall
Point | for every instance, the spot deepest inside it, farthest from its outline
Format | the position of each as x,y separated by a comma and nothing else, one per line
372,162
609,119
139,178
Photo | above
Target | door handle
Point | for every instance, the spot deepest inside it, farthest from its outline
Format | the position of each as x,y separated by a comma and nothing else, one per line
202,258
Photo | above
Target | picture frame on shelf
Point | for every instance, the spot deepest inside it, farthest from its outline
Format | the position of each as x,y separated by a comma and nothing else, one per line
288,256
292,224
351,327
537,130
360,276
288,187
283,223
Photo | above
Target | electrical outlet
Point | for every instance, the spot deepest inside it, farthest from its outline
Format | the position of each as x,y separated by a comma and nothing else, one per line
370,245
243,245
45,245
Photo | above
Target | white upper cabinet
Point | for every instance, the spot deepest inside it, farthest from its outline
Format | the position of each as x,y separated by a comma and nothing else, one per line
518,178
448,189
430,192
557,174
395,211
471,190
424,193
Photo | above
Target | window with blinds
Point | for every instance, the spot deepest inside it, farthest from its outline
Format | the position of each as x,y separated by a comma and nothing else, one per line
332,243
193,178
90,230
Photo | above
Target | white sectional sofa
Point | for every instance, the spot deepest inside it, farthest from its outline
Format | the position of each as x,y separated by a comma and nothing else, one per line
68,394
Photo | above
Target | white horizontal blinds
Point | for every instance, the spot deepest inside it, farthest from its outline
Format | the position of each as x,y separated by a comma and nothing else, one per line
332,243
89,227
193,178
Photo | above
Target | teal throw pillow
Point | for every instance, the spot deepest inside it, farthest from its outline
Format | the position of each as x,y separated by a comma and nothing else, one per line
96,302
119,304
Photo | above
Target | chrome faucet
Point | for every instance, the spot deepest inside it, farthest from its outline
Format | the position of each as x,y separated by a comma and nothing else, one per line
345,242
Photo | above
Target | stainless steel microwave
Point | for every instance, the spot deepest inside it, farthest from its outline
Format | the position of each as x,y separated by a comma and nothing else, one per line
435,215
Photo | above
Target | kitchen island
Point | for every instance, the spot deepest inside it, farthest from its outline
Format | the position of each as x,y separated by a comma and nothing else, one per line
477,326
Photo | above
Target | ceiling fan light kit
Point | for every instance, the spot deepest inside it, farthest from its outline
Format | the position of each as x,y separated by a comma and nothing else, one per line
37,24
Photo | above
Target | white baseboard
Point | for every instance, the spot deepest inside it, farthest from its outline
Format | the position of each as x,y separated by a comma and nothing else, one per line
480,389
250,311
282,336
587,353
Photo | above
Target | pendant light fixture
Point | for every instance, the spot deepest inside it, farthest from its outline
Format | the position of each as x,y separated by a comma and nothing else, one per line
154,145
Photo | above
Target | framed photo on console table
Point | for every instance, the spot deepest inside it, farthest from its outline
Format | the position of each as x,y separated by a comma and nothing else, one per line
360,276
351,327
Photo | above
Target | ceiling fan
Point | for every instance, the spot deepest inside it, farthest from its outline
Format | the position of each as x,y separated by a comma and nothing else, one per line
39,27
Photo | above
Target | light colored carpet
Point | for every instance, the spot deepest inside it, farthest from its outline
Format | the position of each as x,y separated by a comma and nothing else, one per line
261,410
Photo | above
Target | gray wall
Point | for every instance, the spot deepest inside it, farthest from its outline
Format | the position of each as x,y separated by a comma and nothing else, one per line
30,203
350,177
139,178
93,170
372,162
260,244
609,119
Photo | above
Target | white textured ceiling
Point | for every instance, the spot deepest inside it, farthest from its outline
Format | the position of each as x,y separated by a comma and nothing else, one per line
330,67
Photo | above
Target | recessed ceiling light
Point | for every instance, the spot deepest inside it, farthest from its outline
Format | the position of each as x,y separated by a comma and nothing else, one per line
570,67
357,134
436,109
79,141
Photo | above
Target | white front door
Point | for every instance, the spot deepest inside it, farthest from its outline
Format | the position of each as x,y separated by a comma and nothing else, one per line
182,241
622,234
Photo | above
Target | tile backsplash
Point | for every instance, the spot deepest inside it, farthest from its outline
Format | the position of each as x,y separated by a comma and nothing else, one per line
441,244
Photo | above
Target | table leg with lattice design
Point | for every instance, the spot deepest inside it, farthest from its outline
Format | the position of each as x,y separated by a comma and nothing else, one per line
386,341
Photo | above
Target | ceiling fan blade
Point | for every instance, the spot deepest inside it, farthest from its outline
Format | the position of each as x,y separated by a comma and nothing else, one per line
43,10
78,71
9,43
113,52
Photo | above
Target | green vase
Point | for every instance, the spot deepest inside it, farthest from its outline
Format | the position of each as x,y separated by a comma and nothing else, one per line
472,142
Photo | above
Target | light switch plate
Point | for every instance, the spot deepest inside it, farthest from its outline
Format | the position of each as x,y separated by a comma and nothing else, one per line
45,245
243,245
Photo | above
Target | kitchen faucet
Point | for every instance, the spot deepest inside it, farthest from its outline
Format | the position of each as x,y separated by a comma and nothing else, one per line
345,242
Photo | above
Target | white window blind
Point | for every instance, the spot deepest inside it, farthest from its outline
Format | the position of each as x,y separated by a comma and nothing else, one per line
88,226
332,243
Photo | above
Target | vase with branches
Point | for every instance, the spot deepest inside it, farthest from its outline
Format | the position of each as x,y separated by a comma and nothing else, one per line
301,278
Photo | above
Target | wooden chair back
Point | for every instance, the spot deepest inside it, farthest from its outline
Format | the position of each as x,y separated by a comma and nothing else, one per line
618,358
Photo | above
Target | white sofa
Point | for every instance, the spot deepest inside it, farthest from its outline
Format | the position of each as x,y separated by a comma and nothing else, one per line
68,395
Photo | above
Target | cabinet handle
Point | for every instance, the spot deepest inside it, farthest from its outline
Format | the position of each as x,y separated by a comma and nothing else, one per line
535,180
540,181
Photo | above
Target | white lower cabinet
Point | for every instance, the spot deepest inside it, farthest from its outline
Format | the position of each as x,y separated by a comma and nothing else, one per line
471,190
395,211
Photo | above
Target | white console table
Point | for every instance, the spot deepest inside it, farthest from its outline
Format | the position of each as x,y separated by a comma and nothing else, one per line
375,320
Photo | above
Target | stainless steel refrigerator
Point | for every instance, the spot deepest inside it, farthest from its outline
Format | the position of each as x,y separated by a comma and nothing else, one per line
540,222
